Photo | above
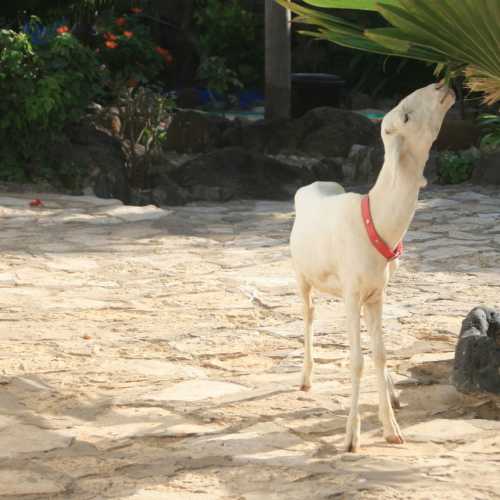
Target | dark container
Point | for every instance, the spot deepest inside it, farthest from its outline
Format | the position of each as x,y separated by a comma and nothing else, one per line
312,90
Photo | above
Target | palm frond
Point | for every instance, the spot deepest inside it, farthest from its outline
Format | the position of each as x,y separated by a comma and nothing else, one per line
456,35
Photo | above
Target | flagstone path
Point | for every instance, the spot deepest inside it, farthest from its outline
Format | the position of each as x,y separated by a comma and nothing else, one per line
156,354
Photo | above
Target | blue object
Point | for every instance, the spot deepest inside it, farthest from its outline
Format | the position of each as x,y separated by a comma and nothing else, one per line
247,99
250,98
40,34
208,96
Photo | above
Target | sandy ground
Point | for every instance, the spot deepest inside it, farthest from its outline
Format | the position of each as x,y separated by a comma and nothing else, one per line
156,354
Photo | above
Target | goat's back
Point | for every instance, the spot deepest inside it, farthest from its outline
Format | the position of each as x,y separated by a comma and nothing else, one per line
326,221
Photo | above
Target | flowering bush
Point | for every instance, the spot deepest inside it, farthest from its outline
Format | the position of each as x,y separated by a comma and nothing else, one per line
128,51
43,88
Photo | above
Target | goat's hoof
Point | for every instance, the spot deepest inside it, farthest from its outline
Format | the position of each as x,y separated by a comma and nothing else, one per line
352,443
396,439
352,448
305,388
396,405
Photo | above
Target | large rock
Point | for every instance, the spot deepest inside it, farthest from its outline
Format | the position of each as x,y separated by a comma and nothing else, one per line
488,169
194,132
363,163
103,159
321,132
477,355
231,173
332,132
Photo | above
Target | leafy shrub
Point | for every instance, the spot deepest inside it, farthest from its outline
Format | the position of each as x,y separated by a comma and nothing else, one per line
491,126
228,31
43,88
128,51
219,78
456,167
144,115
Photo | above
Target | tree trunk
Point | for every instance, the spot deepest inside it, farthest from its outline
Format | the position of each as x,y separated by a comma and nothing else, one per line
278,61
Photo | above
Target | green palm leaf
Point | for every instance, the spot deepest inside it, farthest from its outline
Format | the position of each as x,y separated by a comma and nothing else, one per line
456,35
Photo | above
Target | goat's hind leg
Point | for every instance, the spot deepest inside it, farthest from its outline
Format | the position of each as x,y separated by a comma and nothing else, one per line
305,293
395,403
353,428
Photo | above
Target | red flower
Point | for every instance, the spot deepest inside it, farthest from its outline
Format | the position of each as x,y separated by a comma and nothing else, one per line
62,29
128,34
165,54
110,44
136,10
110,36
120,21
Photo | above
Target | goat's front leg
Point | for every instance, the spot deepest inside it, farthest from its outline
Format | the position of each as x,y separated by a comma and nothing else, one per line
373,315
353,311
305,293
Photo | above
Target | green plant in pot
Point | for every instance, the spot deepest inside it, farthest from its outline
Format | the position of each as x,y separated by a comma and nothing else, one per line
220,80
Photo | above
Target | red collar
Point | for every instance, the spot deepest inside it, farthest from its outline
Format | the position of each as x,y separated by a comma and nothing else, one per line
375,239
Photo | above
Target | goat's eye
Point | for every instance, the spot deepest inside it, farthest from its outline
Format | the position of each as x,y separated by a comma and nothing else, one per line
406,118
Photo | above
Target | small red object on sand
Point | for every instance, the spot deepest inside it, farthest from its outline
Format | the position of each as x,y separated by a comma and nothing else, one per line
36,203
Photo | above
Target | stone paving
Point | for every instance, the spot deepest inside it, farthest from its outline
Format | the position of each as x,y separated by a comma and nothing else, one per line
156,354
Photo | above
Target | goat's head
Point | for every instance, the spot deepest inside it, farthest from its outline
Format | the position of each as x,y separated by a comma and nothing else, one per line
409,129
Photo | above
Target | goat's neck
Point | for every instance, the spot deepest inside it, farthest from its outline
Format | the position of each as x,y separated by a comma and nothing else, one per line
393,198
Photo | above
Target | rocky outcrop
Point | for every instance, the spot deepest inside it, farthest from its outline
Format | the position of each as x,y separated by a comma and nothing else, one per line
234,172
93,161
487,170
477,355
194,132
321,132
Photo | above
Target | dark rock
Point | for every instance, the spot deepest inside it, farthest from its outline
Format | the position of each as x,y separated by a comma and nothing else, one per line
108,175
169,194
363,163
324,131
194,132
487,170
328,169
273,136
141,197
92,160
332,132
431,168
477,355
230,173
457,135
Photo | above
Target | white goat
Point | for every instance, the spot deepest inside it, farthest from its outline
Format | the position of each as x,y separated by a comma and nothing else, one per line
331,250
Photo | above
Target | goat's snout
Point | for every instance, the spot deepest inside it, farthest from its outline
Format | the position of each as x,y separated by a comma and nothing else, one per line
445,91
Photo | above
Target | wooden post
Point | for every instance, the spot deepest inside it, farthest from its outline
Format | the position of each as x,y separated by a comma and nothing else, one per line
278,61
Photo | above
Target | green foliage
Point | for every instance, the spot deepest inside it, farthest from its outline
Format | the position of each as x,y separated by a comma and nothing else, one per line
144,114
127,49
490,125
218,76
226,30
456,167
43,88
460,36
